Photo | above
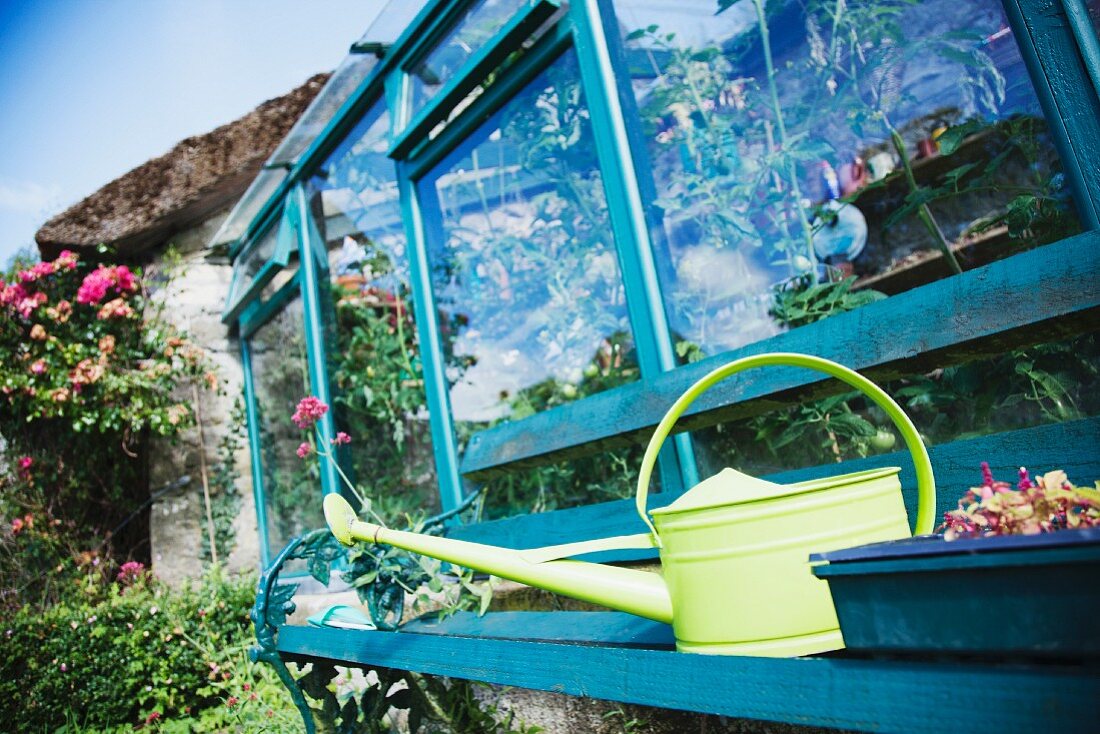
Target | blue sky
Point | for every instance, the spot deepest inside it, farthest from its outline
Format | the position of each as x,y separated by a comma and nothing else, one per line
91,88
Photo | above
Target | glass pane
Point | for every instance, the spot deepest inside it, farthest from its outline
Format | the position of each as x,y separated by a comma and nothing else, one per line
254,198
250,263
869,136
1045,383
391,22
375,363
477,25
612,475
523,264
280,374
337,89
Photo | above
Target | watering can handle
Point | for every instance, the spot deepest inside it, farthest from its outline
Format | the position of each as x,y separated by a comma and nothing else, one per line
926,485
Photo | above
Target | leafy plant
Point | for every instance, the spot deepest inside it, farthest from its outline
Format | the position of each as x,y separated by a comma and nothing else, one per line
1043,505
802,301
133,653
88,371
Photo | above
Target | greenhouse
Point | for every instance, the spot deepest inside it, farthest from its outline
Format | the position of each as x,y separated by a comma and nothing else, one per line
509,234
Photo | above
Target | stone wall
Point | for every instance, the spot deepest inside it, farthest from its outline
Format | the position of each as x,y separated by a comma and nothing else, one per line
193,300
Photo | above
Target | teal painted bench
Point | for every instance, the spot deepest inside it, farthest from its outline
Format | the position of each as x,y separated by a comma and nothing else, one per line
618,657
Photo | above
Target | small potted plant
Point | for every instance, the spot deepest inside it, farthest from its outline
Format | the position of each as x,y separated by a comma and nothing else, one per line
1014,573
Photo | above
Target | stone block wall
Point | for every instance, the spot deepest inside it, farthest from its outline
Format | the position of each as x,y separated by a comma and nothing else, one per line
193,300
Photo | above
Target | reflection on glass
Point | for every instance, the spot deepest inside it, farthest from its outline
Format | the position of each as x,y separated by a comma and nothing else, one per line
612,475
257,194
337,89
895,141
1031,386
523,264
251,262
477,25
292,487
375,363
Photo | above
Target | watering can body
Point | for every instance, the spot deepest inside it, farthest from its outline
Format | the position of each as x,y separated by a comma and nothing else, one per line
735,577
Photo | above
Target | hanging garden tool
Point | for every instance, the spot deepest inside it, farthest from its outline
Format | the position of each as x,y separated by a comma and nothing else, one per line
735,579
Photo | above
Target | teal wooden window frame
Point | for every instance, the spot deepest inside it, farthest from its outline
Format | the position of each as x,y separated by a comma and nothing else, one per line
522,24
1060,51
285,245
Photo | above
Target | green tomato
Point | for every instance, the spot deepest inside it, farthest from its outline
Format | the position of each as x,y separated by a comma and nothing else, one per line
568,391
591,370
883,440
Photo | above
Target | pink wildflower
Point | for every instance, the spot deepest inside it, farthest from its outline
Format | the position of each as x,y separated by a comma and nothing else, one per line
232,701
341,437
153,716
303,450
309,411
25,463
64,668
16,526
130,572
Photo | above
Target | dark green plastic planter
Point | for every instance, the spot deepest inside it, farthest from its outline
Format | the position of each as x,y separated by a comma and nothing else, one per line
1013,596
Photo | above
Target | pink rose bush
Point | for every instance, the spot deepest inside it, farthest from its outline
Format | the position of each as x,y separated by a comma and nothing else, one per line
1040,505
88,374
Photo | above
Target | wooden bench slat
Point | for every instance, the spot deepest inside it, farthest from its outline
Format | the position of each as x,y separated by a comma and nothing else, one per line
613,629
867,695
982,311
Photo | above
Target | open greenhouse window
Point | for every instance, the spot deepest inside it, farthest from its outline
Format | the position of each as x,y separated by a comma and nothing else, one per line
344,80
454,69
260,265
809,157
240,218
374,362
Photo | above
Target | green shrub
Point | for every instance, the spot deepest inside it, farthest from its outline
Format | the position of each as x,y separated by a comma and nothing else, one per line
137,654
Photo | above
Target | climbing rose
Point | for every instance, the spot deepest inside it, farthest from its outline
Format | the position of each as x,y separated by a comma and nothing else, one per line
117,308
94,287
124,279
309,411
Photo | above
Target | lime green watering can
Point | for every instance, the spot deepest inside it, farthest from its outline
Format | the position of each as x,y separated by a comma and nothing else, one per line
735,579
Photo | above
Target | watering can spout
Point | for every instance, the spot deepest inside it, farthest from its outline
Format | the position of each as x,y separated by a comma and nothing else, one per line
639,592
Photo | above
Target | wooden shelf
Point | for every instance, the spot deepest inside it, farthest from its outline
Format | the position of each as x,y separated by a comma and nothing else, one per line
631,665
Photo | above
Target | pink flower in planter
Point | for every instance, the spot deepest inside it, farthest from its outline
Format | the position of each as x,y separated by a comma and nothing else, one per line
309,411
303,450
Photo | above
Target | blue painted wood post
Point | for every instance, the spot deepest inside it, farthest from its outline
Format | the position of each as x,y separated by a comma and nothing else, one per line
1066,95
627,211
444,442
310,251
254,447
